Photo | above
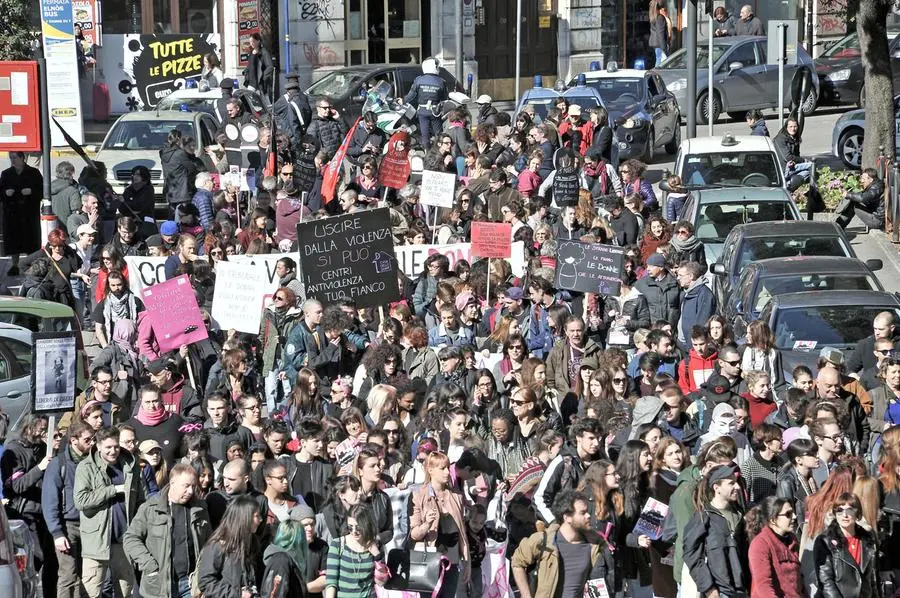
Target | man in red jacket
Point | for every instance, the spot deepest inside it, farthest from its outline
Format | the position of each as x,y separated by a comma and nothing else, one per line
698,366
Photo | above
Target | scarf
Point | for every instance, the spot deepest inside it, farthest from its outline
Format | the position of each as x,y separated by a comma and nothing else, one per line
117,308
124,334
685,246
152,419
601,172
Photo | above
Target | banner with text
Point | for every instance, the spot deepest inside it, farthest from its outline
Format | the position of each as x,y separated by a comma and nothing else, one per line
412,257
174,313
589,267
349,256
160,64
492,239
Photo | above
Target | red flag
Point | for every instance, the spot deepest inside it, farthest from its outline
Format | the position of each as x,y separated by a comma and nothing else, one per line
333,170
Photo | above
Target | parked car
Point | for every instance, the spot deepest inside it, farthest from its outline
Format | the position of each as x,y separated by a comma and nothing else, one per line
747,243
644,112
805,322
346,87
136,138
543,98
840,70
194,100
849,132
743,78
763,279
715,212
728,161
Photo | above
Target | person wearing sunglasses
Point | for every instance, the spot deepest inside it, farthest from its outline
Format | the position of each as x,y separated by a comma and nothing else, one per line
845,554
828,389
775,551
278,318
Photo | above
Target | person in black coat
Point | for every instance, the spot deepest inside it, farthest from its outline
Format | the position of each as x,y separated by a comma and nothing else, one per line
845,554
22,188
260,71
291,111
137,197
231,561
622,221
180,168
367,139
867,204
285,557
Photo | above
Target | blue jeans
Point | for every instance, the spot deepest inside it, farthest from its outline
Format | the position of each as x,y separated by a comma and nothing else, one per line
429,127
801,169
82,299
660,55
181,587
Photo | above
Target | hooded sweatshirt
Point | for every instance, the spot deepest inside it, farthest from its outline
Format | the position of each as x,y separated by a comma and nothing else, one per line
280,563
695,370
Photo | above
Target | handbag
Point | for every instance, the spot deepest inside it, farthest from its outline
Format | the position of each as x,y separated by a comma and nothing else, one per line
416,570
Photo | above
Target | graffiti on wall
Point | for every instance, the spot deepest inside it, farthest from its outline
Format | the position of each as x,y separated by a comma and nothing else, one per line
323,13
321,55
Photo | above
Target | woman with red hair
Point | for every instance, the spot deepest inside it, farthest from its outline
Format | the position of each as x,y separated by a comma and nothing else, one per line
54,265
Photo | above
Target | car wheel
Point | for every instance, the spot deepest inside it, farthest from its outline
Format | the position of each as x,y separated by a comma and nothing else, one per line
650,153
809,104
850,147
672,146
704,115
739,116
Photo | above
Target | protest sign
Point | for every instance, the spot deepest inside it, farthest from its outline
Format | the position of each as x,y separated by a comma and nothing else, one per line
589,267
438,189
566,186
492,239
144,271
238,296
411,258
350,257
54,356
174,314
267,263
394,170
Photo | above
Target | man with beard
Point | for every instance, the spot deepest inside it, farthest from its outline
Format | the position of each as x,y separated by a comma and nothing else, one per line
220,425
118,304
367,139
235,482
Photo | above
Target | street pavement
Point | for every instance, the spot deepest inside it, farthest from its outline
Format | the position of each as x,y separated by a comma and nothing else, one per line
816,144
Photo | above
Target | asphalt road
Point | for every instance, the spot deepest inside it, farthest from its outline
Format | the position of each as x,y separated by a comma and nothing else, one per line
816,143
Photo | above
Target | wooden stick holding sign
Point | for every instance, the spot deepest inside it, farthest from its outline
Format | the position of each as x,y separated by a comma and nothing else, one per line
491,240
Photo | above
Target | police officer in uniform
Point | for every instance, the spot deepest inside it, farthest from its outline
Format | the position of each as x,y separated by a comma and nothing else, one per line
227,87
427,93
292,112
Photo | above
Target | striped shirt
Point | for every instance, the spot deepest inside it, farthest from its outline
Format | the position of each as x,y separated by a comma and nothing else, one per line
351,573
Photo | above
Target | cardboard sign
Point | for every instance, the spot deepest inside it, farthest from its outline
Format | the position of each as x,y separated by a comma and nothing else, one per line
238,297
394,170
438,189
589,267
492,239
350,256
174,314
54,355
411,258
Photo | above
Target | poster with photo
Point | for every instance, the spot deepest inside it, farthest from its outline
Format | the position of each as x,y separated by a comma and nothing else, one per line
54,356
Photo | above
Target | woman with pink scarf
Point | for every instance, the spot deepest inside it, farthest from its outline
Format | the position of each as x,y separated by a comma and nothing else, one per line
154,422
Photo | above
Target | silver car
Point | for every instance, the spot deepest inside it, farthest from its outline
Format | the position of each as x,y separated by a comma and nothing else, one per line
847,135
743,78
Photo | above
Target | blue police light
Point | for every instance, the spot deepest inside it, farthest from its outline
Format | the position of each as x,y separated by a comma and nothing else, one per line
184,107
595,65
190,84
538,81
639,64
581,79
470,78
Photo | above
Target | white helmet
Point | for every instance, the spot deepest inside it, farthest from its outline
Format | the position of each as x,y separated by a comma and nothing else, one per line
429,66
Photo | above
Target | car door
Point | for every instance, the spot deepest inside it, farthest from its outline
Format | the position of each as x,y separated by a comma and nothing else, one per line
670,102
15,377
743,87
656,102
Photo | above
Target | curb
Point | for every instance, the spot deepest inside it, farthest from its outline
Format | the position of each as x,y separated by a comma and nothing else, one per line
69,152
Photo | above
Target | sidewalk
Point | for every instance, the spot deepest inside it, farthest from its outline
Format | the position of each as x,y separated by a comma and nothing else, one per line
94,133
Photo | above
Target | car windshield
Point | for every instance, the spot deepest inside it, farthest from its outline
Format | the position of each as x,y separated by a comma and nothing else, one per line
846,47
755,169
678,60
36,323
145,134
716,220
765,248
620,91
811,328
779,285
338,84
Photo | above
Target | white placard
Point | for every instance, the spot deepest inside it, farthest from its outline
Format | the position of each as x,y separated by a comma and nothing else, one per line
238,297
145,271
54,373
438,188
412,257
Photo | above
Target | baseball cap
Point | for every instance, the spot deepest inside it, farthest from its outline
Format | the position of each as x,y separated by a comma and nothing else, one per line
656,259
718,388
515,293
483,99
574,110
835,356
464,299
168,228
155,241
85,229
157,366
148,445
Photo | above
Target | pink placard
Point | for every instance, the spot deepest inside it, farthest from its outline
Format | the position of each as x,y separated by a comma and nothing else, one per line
492,239
174,314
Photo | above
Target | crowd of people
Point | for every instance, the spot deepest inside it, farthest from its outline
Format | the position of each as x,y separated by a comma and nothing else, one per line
299,460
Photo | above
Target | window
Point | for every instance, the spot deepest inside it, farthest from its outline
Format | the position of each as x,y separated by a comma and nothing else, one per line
744,54
652,88
20,352
407,76
123,16
197,16
144,135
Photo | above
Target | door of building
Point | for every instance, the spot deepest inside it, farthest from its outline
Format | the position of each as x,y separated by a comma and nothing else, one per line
495,38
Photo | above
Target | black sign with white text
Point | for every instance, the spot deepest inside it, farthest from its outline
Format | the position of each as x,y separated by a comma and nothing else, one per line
589,267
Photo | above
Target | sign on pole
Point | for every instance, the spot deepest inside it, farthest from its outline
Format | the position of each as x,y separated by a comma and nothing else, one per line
54,355
20,121
63,94
238,296
350,257
589,267
174,313
438,189
492,239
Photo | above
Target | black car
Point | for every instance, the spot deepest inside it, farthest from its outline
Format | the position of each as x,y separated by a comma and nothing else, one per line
764,279
645,114
804,323
840,70
754,241
343,87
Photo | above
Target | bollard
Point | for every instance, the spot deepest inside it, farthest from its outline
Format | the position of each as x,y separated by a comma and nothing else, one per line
49,221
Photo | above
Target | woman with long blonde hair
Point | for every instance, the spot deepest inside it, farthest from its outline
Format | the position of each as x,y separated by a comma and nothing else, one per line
506,327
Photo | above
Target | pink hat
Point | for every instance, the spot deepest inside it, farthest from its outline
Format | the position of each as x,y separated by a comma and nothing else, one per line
464,299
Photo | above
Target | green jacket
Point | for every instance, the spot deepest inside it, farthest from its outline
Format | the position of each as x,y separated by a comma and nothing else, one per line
557,364
148,541
92,495
681,505
539,550
273,331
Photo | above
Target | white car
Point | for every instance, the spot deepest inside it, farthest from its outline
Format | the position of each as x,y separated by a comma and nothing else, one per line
136,138
729,161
